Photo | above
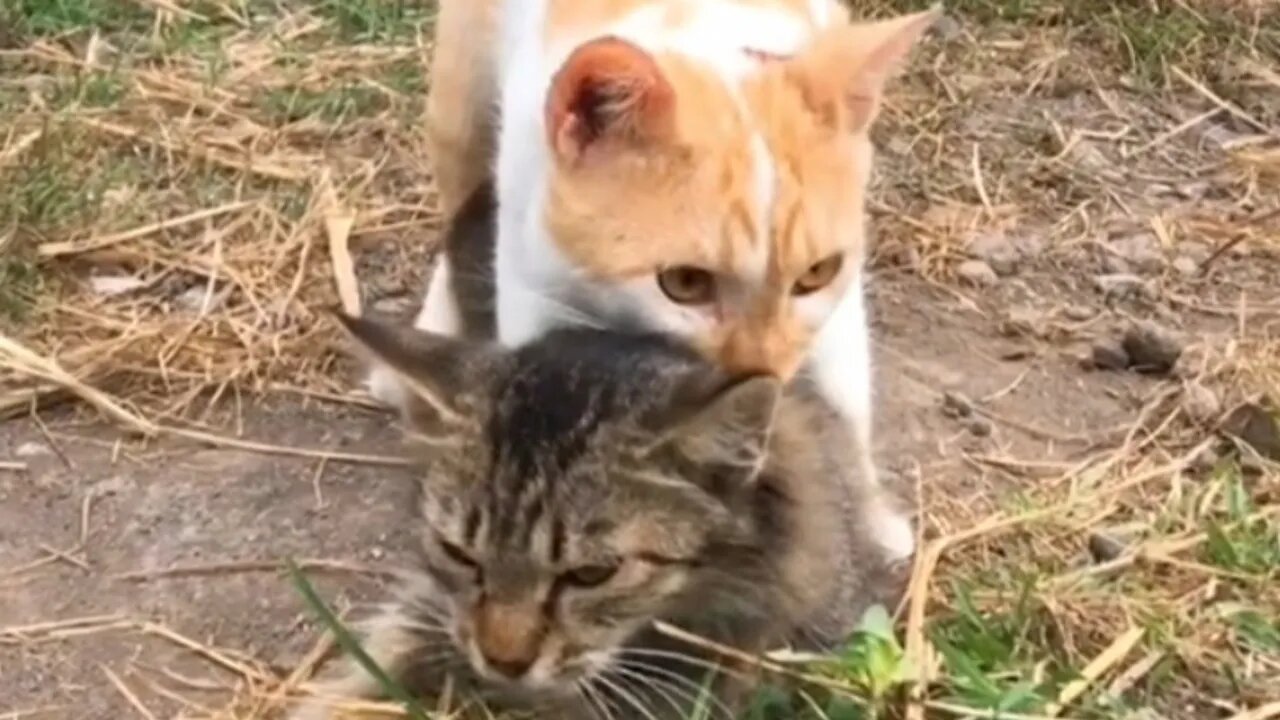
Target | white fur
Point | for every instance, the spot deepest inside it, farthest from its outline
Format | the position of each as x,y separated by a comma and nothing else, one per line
537,287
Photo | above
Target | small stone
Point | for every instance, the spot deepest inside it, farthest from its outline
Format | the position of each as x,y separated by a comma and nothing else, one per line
1152,348
956,405
112,285
1118,286
1107,354
392,305
947,27
1185,266
977,273
1256,427
1141,251
377,553
32,449
1200,403
1079,313
193,299
997,251
979,427
1019,322
1115,264
1105,545
1206,461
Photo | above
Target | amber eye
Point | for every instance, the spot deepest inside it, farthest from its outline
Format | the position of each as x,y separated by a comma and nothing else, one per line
590,575
818,276
687,285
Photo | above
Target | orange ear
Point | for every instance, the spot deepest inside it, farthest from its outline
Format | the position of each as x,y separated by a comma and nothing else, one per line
608,89
844,72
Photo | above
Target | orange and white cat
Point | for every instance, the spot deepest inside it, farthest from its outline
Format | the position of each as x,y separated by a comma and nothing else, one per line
690,166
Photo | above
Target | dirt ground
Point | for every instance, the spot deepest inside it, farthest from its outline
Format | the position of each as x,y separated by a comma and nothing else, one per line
1043,188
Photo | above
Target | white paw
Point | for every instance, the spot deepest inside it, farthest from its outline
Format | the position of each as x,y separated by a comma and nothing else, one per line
383,385
892,530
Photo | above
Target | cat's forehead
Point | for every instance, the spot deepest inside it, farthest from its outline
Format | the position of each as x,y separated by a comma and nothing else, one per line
755,188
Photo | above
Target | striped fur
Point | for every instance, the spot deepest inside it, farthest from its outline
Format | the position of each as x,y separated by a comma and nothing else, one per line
578,488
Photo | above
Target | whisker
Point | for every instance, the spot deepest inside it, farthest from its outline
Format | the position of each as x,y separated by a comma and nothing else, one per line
693,692
593,694
684,658
622,692
656,686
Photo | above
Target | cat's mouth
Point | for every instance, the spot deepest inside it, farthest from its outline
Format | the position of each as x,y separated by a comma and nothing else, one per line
546,675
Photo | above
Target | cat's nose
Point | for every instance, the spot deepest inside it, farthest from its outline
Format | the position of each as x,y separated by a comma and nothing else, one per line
760,351
509,635
513,668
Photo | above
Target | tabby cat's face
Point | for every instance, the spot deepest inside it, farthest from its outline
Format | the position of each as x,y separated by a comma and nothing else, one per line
573,491
546,574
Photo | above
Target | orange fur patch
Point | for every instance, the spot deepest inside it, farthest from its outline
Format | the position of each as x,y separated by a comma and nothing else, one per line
694,198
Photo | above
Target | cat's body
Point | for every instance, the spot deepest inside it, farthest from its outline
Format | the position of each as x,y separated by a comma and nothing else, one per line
580,487
695,167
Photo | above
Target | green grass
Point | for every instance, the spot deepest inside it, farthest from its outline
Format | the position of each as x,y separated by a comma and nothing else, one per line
347,641
1146,36
89,90
333,105
47,18
374,20
20,284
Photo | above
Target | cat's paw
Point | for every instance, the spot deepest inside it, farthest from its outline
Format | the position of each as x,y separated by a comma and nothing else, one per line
891,529
383,386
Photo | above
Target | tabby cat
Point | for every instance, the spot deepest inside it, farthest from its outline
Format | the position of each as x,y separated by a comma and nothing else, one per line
582,486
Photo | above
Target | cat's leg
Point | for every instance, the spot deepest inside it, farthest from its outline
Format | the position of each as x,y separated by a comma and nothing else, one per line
461,105
842,367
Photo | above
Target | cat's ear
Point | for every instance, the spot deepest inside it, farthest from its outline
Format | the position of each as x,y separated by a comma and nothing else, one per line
436,377
608,90
844,72
726,428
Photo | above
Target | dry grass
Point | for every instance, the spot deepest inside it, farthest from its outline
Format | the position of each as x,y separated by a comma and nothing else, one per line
183,187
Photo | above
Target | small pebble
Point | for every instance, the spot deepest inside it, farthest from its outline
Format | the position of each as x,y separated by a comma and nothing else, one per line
1107,354
956,405
1200,403
393,305
32,449
1079,313
1141,251
1152,348
1105,546
948,27
998,251
1118,286
977,273
979,427
1257,427
1206,461
1185,266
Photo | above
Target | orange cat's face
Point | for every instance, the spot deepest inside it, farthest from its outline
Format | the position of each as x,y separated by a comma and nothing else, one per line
729,214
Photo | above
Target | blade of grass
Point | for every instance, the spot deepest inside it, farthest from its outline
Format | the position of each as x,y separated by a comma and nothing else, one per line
350,646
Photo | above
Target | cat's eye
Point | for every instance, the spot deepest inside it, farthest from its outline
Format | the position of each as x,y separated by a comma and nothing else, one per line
456,554
587,576
688,285
818,276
